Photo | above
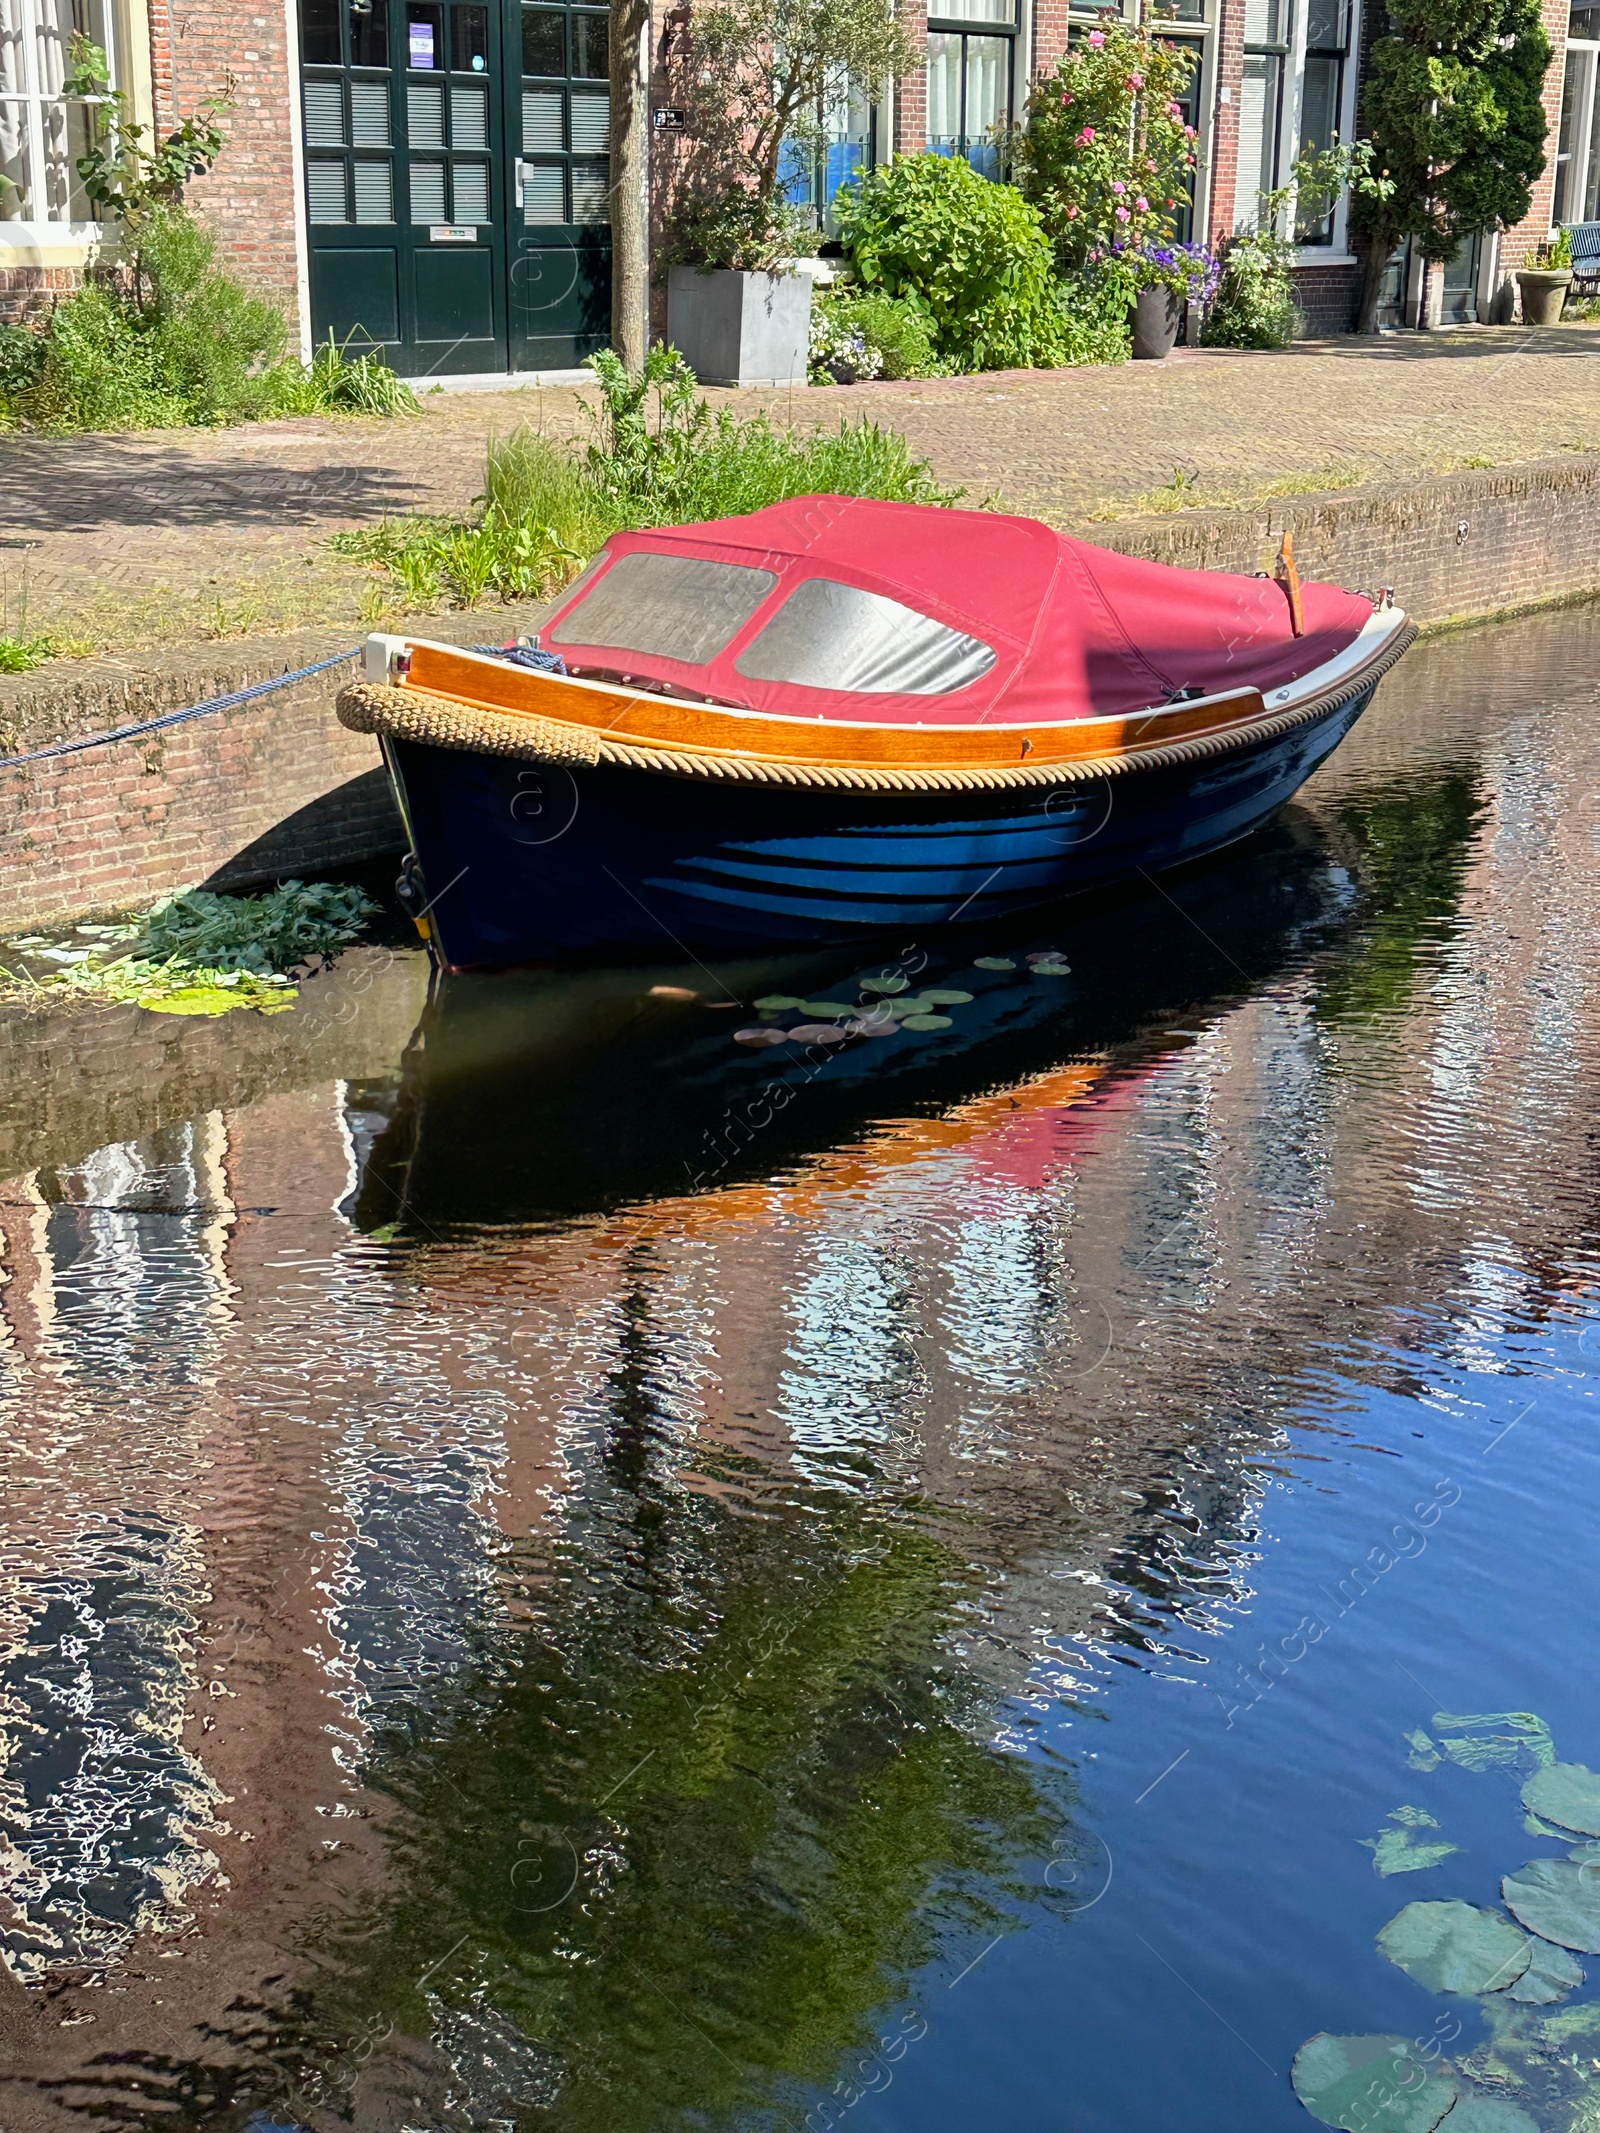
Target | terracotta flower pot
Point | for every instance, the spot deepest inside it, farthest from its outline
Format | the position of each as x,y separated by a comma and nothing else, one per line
1544,291
1154,316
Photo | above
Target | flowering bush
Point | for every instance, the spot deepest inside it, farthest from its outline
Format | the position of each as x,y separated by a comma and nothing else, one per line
840,352
858,334
1106,152
1188,270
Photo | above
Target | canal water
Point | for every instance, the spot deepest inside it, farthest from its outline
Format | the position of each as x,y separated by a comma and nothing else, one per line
563,1568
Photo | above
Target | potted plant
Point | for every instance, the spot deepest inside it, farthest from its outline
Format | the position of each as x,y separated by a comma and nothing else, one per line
754,78
1545,280
1163,278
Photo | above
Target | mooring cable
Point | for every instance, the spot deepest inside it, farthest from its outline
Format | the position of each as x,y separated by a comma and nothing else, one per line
177,718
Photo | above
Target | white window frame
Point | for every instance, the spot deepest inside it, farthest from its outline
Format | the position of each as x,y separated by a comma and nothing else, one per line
1586,133
36,233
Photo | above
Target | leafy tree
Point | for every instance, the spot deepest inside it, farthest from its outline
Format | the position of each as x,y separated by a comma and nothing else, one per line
756,76
1452,107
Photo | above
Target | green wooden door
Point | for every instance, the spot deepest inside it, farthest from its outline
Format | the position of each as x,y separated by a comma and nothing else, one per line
430,235
559,116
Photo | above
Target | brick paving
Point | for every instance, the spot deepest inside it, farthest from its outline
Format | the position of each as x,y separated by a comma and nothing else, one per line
164,538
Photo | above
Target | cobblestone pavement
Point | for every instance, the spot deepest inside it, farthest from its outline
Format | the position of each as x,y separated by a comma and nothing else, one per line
165,537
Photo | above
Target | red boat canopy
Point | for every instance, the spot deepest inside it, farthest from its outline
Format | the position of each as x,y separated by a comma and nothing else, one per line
841,608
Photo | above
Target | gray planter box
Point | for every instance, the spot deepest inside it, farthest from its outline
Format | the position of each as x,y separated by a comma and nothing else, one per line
740,329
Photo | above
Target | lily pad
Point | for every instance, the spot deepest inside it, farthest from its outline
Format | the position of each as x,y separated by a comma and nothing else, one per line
757,1035
1524,1738
993,962
928,1022
819,1033
774,1003
1455,1947
891,981
1424,1755
1559,1899
1551,1975
946,999
873,1026
1491,2114
819,1008
1370,2085
1398,1851
1567,1794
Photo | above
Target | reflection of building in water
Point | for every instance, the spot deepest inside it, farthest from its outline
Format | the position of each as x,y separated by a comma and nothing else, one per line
271,1480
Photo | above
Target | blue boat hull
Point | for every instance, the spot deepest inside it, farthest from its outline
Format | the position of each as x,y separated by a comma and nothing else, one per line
530,863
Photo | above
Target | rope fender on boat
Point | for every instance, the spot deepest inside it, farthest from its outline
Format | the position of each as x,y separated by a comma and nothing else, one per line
449,722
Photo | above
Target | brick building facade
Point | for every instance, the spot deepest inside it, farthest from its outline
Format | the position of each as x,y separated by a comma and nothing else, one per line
373,172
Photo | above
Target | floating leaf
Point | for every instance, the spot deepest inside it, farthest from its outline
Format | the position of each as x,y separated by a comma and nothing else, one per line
1396,1851
819,1033
928,1022
946,999
1567,1794
757,1035
891,981
1052,970
993,962
1045,955
1536,1828
872,1026
1491,2114
1524,1735
1551,1975
1559,1899
1370,2085
1424,1755
820,1008
775,1002
1455,1947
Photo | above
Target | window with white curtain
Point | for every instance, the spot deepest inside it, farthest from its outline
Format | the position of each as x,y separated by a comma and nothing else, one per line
42,134
971,78
1578,143
1295,99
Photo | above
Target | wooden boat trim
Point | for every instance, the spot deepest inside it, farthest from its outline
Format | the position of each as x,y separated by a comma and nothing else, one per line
444,697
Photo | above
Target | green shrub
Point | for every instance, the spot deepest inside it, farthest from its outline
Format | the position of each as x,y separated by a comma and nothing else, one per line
338,383
971,255
21,360
1094,313
97,372
1255,306
658,457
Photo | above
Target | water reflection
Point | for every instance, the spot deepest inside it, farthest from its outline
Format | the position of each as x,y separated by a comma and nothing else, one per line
537,1594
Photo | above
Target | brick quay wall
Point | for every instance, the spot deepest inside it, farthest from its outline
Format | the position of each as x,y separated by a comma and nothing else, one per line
277,787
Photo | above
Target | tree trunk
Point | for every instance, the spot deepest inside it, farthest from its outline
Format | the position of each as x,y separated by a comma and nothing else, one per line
1378,257
630,181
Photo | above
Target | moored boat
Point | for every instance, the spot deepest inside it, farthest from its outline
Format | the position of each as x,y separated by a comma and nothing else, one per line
836,717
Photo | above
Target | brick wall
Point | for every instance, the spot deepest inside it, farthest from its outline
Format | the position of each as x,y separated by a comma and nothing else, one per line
1477,543
271,788
911,91
249,199
1223,147
25,290
1534,229
1329,298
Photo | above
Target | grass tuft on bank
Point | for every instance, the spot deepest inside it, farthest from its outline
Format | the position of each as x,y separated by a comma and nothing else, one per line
198,953
657,456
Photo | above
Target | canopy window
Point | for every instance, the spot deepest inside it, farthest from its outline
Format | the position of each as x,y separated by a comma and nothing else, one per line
666,607
832,636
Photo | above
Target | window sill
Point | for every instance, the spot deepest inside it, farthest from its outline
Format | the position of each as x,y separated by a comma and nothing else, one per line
1310,255
51,244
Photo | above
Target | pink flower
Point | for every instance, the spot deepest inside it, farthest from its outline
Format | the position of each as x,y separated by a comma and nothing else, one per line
1072,214
1142,204
1149,166
1086,137
1191,133
1123,215
1135,81
1175,111
1065,99
1117,186
1097,38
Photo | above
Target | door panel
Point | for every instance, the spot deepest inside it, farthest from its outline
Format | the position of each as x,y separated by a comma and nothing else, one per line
457,180
558,115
